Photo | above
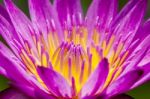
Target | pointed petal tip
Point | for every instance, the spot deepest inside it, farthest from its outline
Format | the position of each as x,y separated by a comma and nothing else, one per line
40,68
127,80
55,82
95,80
105,60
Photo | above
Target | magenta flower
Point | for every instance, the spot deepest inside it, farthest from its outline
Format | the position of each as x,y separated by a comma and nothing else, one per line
61,54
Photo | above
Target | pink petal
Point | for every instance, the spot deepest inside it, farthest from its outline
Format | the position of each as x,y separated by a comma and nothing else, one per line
96,79
55,82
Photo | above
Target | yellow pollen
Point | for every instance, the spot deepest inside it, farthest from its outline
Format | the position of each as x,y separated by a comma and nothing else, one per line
72,58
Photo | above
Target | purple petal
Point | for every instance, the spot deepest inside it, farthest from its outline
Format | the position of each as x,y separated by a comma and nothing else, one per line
123,83
12,69
41,12
33,90
69,11
101,13
146,59
4,13
96,79
8,53
20,22
143,80
28,90
144,31
8,33
144,44
3,72
55,82
122,96
4,48
13,72
145,77
143,35
44,16
128,20
12,93
11,64
138,56
39,94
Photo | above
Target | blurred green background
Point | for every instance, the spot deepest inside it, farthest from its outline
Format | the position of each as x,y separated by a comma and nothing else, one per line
142,92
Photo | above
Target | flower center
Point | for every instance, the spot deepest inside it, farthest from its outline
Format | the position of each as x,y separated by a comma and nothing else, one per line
73,58
73,63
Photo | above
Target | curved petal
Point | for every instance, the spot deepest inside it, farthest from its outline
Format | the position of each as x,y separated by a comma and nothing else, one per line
55,82
139,55
12,93
39,94
123,83
34,90
69,11
15,74
8,53
144,31
145,43
11,64
8,33
143,35
101,13
41,12
44,17
10,67
20,22
96,79
4,13
28,90
145,77
143,80
18,18
128,21
146,58
3,72
122,96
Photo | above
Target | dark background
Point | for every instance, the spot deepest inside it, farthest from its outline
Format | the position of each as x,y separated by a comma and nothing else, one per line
142,92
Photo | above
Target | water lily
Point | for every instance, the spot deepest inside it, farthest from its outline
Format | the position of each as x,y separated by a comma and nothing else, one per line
60,53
